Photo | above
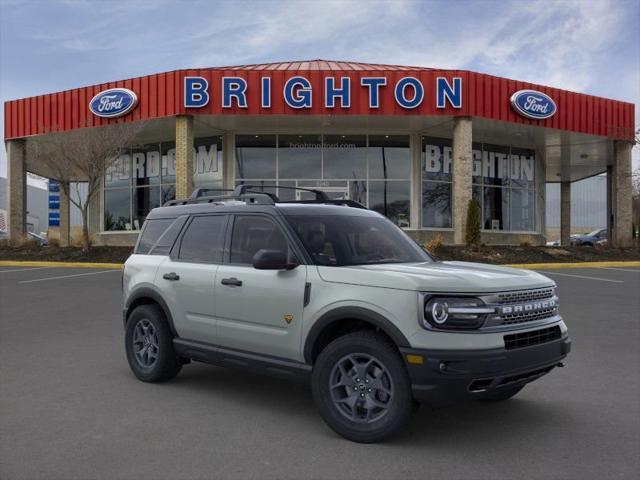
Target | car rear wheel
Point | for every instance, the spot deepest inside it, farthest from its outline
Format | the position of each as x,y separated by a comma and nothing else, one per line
362,388
149,345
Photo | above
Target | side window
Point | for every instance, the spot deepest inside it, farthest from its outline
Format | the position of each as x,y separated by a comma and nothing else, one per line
204,240
153,230
252,233
168,238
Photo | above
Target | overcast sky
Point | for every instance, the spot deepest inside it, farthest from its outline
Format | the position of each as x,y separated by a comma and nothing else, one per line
582,45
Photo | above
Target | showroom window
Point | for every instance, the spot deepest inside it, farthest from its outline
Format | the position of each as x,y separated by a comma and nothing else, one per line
144,177
503,185
373,170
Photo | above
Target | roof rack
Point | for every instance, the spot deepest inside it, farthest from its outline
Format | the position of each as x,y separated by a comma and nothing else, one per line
248,194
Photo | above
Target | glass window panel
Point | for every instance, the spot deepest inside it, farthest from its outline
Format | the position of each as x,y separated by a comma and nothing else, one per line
145,160
391,199
389,156
522,209
437,161
523,163
286,194
168,193
345,156
204,239
267,186
476,194
207,162
496,208
495,165
255,156
167,239
252,233
153,229
436,204
299,156
118,174
168,162
477,162
144,200
117,209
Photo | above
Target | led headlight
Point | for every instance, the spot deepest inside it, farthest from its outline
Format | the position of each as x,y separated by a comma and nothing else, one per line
455,313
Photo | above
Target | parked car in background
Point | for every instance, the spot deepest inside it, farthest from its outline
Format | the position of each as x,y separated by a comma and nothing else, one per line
590,239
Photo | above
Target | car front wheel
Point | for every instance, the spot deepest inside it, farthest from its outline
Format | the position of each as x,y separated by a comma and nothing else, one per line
362,388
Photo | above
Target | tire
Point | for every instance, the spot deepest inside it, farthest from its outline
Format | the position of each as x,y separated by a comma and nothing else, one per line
147,331
501,394
368,409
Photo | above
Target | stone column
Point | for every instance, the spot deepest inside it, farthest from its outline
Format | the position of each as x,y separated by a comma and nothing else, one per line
462,175
621,184
416,180
16,190
65,217
565,213
184,156
228,161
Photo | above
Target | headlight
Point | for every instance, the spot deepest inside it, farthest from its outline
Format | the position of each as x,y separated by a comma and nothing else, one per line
455,313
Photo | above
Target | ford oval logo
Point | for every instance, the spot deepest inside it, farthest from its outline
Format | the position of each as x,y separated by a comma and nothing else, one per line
533,104
114,102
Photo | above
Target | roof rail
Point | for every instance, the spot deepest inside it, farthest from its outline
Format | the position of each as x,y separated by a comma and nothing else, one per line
248,198
320,195
204,192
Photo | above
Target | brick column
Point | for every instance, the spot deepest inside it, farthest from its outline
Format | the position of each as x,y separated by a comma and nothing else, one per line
65,217
184,156
621,184
416,180
565,213
16,190
462,175
228,161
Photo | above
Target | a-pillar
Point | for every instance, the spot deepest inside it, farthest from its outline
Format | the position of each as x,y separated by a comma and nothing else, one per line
16,190
462,175
565,213
622,189
184,156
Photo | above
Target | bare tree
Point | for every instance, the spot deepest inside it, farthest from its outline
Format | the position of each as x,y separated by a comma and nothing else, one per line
82,156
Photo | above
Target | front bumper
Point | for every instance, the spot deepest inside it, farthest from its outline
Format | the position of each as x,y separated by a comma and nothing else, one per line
451,376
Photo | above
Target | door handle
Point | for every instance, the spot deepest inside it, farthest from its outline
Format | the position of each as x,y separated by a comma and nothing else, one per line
232,282
173,276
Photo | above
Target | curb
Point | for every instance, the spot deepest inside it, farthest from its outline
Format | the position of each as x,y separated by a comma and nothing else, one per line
29,263
550,266
530,266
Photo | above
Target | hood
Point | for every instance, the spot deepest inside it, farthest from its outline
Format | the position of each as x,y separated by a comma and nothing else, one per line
442,277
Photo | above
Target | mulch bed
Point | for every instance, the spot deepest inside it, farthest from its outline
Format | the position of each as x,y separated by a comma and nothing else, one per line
485,254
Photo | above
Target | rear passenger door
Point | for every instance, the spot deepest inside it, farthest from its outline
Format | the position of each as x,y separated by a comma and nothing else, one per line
259,310
187,277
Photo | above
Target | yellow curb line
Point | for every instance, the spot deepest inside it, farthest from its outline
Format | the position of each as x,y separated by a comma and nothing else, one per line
116,266
548,266
28,263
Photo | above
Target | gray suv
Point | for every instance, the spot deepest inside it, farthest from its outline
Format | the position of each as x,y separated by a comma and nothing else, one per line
328,292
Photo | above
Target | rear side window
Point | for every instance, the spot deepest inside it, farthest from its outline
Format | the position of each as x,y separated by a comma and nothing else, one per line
203,240
152,231
252,233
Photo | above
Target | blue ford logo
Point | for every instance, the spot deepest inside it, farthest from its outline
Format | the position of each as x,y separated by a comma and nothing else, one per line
114,102
533,104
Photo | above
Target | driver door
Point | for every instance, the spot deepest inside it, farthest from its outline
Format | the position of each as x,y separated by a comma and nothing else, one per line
259,310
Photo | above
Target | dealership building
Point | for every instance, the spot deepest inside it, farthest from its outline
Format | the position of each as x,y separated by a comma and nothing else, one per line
415,144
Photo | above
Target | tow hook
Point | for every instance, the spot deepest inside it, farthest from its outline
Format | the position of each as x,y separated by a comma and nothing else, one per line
560,364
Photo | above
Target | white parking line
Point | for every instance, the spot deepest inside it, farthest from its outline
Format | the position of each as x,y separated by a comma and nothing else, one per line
24,269
637,270
581,276
67,276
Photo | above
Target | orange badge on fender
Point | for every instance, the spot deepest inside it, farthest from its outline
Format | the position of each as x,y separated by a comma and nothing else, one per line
288,318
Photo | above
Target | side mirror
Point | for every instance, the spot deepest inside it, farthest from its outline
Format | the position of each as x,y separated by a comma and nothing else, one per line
272,260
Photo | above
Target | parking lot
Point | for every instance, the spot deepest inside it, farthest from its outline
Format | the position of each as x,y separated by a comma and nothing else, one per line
70,407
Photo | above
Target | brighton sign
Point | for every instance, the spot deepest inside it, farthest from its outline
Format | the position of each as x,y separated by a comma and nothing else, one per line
408,92
113,103
533,104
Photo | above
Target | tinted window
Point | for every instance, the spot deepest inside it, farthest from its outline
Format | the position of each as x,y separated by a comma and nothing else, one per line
351,240
204,240
168,238
252,233
152,231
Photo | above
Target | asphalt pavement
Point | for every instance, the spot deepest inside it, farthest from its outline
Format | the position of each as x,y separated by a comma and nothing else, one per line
71,409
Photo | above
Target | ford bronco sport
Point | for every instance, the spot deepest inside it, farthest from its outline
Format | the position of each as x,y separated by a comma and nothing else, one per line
330,292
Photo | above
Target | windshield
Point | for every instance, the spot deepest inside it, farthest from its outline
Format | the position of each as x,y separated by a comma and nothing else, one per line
594,233
341,240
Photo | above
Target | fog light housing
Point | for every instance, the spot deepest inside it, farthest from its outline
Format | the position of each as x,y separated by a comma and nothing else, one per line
455,313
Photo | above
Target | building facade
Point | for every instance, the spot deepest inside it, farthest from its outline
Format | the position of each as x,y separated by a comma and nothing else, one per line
415,144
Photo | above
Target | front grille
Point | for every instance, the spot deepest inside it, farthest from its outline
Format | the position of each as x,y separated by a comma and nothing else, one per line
534,337
521,296
528,317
